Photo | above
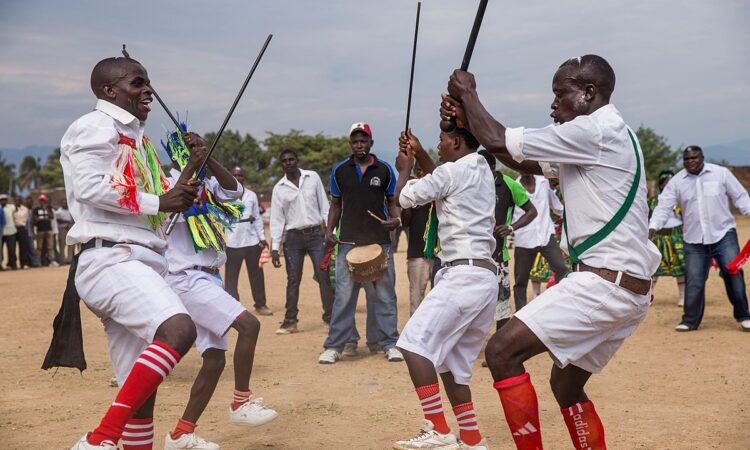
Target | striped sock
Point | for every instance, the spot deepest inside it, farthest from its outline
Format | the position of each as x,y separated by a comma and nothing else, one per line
467,423
138,434
432,407
149,370
585,427
239,398
183,427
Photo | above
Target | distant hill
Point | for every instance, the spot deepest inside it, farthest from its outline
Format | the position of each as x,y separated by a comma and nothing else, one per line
735,153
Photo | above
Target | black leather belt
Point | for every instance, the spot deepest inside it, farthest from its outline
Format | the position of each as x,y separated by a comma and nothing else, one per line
247,219
483,263
309,230
209,270
635,285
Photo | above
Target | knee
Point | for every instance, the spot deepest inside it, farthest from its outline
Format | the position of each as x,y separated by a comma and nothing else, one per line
178,332
499,358
247,325
214,361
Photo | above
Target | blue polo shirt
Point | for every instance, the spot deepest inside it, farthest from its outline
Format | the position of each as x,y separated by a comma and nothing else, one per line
359,192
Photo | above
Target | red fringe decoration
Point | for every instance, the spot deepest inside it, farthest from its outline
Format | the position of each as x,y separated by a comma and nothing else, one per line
127,186
735,266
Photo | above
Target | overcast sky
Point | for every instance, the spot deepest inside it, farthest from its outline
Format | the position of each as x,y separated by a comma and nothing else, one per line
683,67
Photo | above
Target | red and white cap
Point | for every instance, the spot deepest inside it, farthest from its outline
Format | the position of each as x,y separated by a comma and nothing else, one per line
43,198
361,126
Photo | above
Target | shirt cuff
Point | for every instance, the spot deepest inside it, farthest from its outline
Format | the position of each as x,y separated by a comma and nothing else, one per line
275,244
405,200
549,170
148,203
514,143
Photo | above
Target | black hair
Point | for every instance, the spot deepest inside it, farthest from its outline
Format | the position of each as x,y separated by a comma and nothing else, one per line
284,151
595,70
693,148
466,136
109,71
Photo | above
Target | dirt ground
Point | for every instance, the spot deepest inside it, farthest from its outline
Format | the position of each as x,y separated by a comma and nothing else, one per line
663,390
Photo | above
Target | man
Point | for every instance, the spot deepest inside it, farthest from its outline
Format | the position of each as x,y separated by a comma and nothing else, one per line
194,277
36,260
447,331
418,267
118,206
20,218
508,195
64,222
669,240
584,319
537,237
299,209
9,231
702,191
362,185
245,242
42,217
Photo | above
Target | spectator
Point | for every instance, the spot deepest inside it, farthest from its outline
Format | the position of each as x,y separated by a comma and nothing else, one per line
245,243
43,216
9,231
418,267
64,222
21,218
669,241
35,256
702,190
299,209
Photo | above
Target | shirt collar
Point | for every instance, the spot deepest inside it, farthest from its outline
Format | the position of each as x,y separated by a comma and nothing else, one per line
116,113
302,174
375,160
706,168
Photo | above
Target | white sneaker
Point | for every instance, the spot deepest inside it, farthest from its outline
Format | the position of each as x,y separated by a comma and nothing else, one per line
428,438
393,355
54,264
745,325
83,444
350,349
188,441
482,445
252,413
329,356
113,382
683,327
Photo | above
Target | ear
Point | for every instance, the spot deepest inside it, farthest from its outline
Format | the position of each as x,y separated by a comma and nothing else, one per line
589,92
109,91
455,143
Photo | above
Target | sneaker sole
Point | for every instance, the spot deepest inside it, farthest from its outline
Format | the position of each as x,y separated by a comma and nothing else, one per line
444,447
255,424
286,331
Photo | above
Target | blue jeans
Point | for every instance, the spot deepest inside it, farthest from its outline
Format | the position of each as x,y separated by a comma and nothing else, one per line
697,264
382,313
296,246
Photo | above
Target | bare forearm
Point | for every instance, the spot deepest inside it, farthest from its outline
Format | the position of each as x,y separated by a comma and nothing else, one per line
223,176
334,215
488,131
525,219
425,162
525,166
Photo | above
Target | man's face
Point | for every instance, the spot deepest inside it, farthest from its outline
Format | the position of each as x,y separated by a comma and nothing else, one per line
29,203
289,163
3,202
569,101
239,176
693,161
444,146
18,201
360,143
132,91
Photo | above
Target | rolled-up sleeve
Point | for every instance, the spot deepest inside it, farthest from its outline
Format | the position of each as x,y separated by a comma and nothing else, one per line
224,195
576,142
434,186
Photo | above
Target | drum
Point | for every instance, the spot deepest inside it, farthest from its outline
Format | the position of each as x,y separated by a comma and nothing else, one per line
367,263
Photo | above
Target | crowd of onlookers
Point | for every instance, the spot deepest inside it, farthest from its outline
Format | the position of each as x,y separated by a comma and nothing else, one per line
34,233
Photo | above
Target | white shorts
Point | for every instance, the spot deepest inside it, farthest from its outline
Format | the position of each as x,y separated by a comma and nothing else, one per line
124,286
450,324
213,310
583,320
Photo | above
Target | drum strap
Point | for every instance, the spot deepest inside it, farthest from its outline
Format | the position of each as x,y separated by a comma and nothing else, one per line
576,251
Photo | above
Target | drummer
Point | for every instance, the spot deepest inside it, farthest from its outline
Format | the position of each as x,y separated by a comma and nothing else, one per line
447,330
361,187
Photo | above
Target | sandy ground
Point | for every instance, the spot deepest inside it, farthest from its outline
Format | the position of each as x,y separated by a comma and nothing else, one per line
663,390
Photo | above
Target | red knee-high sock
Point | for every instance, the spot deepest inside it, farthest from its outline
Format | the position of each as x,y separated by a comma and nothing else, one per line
149,370
585,427
521,409
467,423
138,434
432,407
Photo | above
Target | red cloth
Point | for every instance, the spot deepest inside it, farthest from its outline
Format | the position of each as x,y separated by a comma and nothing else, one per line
149,370
521,409
183,427
735,266
585,427
432,407
138,434
467,423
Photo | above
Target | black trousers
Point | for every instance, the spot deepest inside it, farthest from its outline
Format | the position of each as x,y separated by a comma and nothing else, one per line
10,245
524,261
24,248
251,256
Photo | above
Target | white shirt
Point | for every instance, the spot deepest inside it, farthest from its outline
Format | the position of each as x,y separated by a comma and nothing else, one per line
10,223
181,253
63,215
87,151
21,216
593,157
703,199
295,207
463,192
246,234
540,230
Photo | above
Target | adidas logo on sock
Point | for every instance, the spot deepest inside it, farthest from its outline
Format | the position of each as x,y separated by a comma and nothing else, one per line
526,429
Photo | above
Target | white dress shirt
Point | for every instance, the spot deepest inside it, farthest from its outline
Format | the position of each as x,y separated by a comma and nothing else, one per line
593,157
246,234
294,207
463,192
10,224
540,230
703,199
21,216
181,253
87,151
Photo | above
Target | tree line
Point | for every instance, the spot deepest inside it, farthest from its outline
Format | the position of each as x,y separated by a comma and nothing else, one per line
260,158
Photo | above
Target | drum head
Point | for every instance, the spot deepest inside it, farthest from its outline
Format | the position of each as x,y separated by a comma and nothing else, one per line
364,254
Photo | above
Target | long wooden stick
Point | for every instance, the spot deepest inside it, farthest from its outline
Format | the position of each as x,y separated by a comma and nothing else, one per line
411,76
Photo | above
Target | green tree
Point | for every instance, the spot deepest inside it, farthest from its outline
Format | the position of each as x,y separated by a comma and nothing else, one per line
244,151
657,154
52,174
316,152
7,177
30,173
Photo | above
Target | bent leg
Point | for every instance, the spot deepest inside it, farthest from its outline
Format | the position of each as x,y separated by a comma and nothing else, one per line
204,385
583,423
